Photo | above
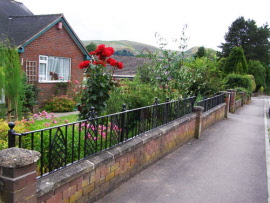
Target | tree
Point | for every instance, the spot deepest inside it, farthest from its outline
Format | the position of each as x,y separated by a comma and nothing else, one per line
91,47
254,40
11,80
256,69
200,53
209,81
236,62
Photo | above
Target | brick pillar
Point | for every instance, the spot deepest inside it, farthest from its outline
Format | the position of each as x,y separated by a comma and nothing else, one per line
245,97
227,101
232,100
242,98
18,175
198,126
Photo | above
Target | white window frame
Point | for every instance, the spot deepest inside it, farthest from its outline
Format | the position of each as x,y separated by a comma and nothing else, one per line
44,60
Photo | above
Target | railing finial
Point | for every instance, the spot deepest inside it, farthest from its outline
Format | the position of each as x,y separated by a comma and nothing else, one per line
156,102
91,114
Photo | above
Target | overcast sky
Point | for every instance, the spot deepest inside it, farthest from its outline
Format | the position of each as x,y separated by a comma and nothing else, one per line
207,20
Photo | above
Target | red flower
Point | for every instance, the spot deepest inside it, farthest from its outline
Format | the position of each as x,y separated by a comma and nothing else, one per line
84,64
108,51
119,65
103,52
99,63
112,61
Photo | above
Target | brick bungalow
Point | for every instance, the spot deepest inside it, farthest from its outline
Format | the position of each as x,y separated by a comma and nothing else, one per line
49,49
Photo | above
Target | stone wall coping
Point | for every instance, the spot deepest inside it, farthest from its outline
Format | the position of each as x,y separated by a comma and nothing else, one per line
198,109
231,90
213,110
17,157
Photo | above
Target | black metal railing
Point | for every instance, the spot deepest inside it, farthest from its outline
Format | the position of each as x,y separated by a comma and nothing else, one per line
211,102
66,144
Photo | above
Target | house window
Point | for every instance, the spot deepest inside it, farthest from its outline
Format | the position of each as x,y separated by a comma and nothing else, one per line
54,69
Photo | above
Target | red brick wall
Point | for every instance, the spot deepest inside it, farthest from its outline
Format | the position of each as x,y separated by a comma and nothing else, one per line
92,178
212,116
112,167
54,42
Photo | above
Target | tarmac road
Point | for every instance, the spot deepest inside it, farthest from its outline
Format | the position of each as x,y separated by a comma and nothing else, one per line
227,165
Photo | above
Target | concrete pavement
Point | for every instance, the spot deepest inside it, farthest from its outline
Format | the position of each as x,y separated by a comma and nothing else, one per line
227,165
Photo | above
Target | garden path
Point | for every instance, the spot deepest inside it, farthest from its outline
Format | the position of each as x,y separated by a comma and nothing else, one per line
228,164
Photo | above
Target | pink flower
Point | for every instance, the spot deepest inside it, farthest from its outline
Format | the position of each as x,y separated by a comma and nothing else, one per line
76,81
103,135
47,124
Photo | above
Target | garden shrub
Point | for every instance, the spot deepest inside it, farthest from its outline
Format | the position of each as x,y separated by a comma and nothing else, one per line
30,98
60,104
3,110
21,126
134,95
254,85
236,80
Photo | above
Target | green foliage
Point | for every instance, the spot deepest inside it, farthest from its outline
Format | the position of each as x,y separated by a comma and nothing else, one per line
21,126
256,69
253,82
209,77
91,47
123,53
96,90
60,104
236,62
168,70
134,95
98,82
240,89
145,73
74,89
36,122
235,81
200,53
30,97
3,134
11,77
254,40
261,89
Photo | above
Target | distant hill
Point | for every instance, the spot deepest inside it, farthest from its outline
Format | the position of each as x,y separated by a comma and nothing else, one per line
134,47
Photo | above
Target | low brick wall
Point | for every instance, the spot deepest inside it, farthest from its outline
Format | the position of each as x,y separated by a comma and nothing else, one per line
238,104
93,177
212,116
96,176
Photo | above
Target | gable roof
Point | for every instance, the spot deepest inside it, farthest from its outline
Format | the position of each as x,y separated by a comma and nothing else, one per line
21,27
8,8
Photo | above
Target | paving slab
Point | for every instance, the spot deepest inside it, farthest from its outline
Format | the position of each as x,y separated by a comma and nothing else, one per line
227,165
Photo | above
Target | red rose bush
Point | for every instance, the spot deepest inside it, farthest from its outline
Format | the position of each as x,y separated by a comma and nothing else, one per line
98,81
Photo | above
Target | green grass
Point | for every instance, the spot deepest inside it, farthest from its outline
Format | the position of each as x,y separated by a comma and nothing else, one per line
41,124
70,118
